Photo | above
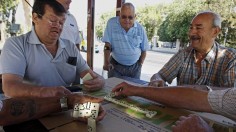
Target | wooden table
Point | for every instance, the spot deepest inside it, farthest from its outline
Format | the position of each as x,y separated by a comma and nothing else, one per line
121,119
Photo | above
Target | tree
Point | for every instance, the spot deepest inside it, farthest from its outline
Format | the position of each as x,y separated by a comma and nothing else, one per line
7,7
101,25
178,18
150,18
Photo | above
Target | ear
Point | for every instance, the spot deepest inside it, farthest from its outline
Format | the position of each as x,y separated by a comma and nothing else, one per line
35,18
216,31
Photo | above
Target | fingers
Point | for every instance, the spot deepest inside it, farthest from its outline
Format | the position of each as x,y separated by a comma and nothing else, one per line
118,87
95,84
157,83
101,114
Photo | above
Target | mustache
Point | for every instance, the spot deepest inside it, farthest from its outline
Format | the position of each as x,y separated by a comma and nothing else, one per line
194,37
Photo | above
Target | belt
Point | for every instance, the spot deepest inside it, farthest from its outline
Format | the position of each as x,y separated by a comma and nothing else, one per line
117,63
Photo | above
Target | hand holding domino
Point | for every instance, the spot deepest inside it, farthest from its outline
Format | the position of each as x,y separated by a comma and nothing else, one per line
87,77
87,110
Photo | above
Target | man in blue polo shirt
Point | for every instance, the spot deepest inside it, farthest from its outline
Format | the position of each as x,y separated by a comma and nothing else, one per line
126,44
40,63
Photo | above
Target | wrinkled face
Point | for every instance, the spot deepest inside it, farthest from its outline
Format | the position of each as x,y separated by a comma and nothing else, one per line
65,3
127,17
49,27
202,33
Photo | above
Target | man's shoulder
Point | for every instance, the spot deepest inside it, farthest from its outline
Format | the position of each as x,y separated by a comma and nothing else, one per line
20,38
113,19
229,52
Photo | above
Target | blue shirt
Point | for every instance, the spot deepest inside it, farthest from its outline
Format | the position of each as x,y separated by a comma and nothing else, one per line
26,56
126,46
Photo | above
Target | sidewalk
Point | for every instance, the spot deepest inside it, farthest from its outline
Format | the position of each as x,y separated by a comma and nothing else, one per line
164,50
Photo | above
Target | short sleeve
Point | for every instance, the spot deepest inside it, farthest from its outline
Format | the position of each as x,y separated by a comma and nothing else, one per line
223,102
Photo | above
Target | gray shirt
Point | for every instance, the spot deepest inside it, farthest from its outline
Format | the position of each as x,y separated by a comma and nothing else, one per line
224,102
26,56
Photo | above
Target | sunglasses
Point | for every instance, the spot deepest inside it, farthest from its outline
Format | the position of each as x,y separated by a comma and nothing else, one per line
125,17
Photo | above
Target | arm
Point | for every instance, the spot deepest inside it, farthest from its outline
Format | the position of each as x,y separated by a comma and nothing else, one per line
78,46
192,123
16,110
13,86
142,57
180,97
107,53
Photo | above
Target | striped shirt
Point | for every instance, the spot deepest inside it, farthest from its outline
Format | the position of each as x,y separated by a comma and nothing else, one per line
218,68
223,102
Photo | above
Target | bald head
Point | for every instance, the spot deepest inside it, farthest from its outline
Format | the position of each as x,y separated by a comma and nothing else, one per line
127,16
128,5
216,19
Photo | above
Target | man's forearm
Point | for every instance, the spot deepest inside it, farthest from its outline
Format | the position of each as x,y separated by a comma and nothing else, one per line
18,89
17,110
183,97
107,53
142,57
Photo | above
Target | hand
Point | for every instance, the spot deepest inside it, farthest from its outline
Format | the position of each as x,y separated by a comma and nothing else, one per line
53,91
157,83
124,89
192,123
94,84
108,67
75,98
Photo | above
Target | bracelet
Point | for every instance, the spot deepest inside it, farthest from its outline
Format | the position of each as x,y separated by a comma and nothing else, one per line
107,48
63,101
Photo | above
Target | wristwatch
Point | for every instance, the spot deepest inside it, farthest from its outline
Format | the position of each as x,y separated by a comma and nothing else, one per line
63,101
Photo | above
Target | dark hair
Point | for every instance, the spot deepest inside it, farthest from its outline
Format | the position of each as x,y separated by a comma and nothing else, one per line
39,7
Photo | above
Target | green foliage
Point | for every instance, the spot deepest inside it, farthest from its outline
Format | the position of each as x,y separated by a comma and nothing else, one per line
101,24
150,18
6,6
171,22
181,12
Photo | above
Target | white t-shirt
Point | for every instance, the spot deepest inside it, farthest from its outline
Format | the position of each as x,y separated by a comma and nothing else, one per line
70,30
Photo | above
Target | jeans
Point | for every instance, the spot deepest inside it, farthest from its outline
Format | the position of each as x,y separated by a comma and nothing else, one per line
119,70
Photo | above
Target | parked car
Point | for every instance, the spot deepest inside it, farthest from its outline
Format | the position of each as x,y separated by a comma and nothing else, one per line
97,47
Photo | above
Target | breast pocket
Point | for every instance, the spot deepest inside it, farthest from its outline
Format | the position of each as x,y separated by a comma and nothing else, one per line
136,41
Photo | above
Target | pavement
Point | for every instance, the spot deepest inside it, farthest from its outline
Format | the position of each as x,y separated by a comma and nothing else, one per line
164,50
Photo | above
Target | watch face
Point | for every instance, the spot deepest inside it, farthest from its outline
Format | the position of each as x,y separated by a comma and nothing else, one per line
63,102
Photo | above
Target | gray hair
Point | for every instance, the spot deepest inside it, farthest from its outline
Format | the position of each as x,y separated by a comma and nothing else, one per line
216,17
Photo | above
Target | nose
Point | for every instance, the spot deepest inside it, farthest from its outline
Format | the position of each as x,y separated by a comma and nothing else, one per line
192,30
56,24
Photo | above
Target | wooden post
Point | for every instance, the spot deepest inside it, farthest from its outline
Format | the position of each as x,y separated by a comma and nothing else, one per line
119,3
90,33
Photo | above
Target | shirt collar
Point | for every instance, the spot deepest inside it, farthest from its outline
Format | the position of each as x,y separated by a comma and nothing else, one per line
211,54
33,39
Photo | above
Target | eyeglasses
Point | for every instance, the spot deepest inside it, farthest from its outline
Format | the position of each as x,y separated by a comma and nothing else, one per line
54,22
125,17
